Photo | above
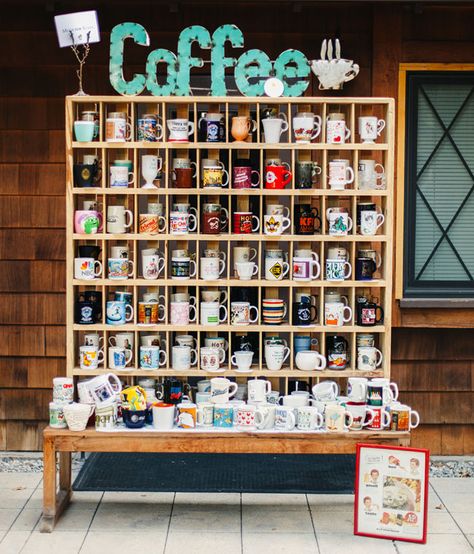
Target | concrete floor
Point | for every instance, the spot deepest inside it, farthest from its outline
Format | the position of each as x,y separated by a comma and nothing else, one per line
185,523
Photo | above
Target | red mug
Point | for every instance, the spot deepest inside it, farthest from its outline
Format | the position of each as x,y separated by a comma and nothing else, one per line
243,223
277,176
242,177
211,223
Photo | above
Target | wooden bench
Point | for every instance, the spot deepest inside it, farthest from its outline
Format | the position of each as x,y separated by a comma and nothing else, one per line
59,443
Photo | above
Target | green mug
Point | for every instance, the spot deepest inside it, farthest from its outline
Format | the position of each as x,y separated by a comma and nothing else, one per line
84,130
124,163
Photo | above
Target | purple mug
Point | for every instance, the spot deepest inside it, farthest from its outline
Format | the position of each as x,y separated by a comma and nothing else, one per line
242,177
87,222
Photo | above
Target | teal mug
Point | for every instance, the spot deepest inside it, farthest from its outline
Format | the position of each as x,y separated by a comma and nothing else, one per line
84,131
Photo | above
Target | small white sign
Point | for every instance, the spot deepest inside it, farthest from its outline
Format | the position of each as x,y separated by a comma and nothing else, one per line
273,87
77,28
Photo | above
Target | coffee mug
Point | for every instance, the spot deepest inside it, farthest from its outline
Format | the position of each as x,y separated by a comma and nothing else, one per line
369,358
149,313
362,415
337,270
370,221
273,128
240,313
205,413
273,311
120,177
182,313
337,131
87,268
224,415
337,418
357,389
365,269
222,390
116,312
211,313
90,357
211,359
308,418
149,129
182,268
87,222
119,219
381,420
186,413
370,127
275,356
211,269
403,418
120,268
152,266
183,357
214,177
151,357
179,129
242,177
310,360
368,176
306,127
182,223
306,172
119,357
242,359
337,349
325,391
285,418
246,270
275,225
275,268
339,222
277,177
245,223
336,313
182,177
163,416
242,126
340,174
305,269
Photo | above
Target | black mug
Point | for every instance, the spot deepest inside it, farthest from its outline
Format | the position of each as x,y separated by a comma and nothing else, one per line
305,219
304,313
337,352
243,342
95,296
85,175
85,311
172,391
367,312
89,251
365,269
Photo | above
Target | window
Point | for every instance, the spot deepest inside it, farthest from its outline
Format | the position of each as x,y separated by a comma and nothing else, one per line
439,185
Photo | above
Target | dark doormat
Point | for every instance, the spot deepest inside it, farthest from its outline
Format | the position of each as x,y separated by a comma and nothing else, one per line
322,473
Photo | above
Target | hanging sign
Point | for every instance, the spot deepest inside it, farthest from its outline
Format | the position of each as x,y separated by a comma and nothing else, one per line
251,70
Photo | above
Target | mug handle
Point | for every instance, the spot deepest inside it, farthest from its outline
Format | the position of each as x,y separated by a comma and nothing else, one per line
258,224
257,183
190,128
129,214
221,355
233,386
255,270
378,363
255,319
371,415
288,179
225,219
417,418
131,177
315,264
350,270
349,223
225,181
128,359
350,177
159,133
349,311
394,388
287,353
130,317
195,168
252,254
233,360
192,272
292,421
323,361
284,127
222,307
163,316
194,353
347,425
380,320
348,132
386,419
317,127
100,357
222,269
380,217
259,419
380,126
165,358
192,226
192,318
286,269
131,265
99,271
252,125
112,341
161,266
161,224
118,385
286,220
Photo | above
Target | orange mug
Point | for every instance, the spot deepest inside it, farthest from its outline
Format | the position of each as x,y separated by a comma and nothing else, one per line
187,413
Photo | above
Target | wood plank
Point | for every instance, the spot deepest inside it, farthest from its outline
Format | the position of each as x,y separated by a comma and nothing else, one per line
452,439
432,376
32,179
442,23
432,344
31,113
427,436
32,309
24,340
24,435
438,51
30,372
32,146
437,317
3,435
25,404
36,244
428,405
56,340
36,276
32,211
441,407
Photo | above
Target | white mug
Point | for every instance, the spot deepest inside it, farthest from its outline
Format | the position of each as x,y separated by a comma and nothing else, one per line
305,269
275,225
285,418
368,358
337,131
211,268
211,358
368,177
179,130
337,418
211,313
390,389
116,223
240,313
370,128
275,356
357,389
337,313
182,313
125,340
242,359
325,391
119,357
90,357
306,127
340,174
370,221
273,128
310,360
152,266
87,268
120,176
246,270
103,389
183,357
308,418
339,223
257,389
222,390
275,269
151,165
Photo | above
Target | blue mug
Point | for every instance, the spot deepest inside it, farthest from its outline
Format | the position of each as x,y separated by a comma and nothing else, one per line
151,357
304,342
116,313
223,415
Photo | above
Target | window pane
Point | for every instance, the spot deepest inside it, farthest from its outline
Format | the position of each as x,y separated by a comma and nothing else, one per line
444,184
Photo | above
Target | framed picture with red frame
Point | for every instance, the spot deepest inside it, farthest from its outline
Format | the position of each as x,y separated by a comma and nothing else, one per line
391,492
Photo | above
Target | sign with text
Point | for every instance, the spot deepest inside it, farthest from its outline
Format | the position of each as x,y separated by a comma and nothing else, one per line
77,28
251,70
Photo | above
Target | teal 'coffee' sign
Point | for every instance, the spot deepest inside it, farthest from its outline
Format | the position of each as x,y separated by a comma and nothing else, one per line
251,70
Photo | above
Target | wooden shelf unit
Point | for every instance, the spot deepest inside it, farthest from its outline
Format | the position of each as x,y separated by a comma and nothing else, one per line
320,196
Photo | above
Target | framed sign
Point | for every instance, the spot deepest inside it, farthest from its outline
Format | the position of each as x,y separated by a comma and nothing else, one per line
391,492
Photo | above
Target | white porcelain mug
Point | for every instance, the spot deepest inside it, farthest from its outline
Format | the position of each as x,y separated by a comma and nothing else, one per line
222,390
273,128
90,357
87,269
310,360
211,269
340,174
370,221
275,356
211,313
211,358
240,313
337,313
179,129
275,225
183,357
257,389
119,219
370,127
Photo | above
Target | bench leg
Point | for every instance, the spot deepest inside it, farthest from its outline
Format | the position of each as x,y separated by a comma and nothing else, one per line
54,501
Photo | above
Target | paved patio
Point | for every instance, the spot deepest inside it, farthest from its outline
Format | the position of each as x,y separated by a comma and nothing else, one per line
168,523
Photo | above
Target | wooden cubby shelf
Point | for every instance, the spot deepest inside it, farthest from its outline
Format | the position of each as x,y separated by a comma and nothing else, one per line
321,197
